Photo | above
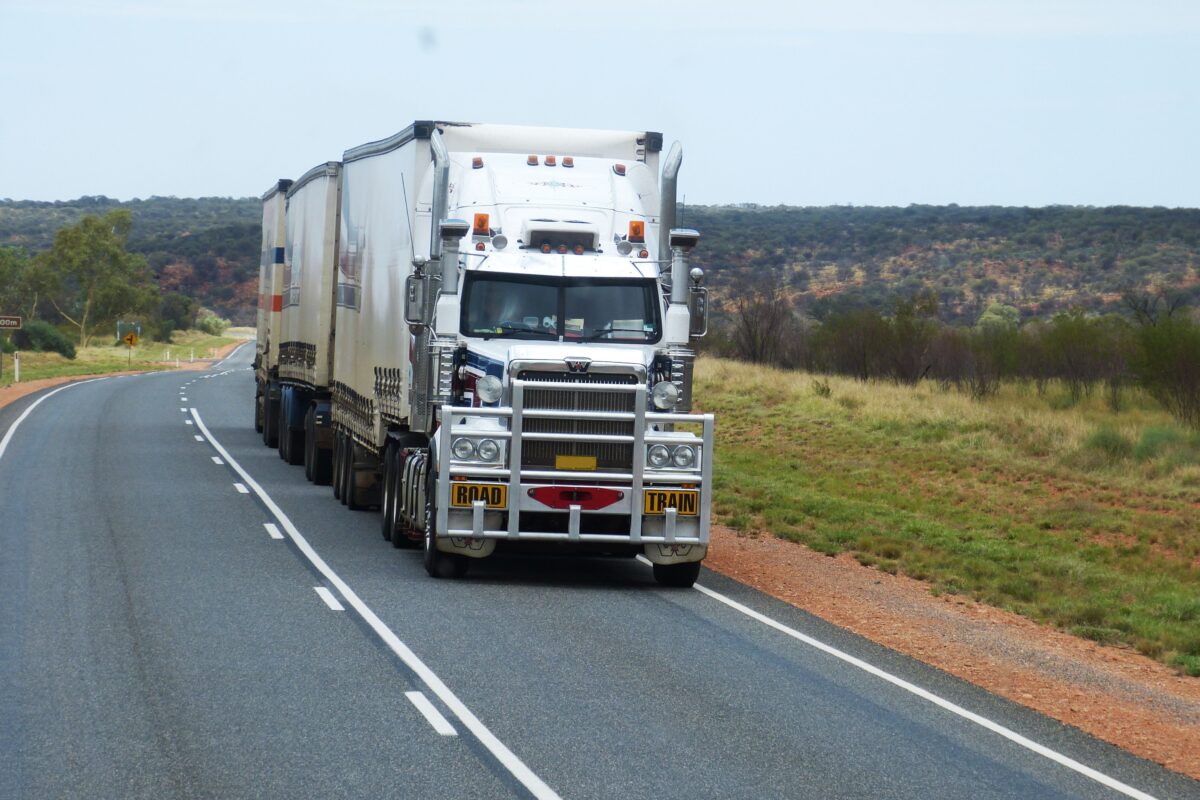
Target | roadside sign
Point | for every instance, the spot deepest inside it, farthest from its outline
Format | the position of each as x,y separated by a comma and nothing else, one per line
10,323
131,339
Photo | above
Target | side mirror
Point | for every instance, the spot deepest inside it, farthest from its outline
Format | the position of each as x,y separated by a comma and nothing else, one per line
697,311
415,288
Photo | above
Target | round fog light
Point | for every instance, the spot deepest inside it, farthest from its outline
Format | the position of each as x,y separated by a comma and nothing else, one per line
488,450
658,456
463,449
683,457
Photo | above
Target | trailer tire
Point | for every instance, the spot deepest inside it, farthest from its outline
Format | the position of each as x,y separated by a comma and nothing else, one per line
281,437
337,466
322,463
437,563
258,412
677,575
270,428
293,452
310,446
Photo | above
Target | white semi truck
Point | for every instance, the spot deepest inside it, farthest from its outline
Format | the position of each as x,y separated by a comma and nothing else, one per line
484,331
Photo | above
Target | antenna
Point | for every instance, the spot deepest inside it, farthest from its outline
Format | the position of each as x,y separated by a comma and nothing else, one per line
412,252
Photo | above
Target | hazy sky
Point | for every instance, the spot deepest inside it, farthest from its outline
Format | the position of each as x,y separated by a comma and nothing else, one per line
807,103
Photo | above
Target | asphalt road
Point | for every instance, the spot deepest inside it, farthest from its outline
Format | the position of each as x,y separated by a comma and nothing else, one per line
157,640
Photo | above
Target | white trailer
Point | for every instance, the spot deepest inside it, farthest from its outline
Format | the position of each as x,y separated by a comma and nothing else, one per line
511,361
270,277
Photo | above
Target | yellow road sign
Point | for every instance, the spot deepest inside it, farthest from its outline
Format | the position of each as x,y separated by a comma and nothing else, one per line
131,339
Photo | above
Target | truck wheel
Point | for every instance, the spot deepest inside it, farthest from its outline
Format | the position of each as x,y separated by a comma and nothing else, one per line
281,437
387,519
437,563
681,575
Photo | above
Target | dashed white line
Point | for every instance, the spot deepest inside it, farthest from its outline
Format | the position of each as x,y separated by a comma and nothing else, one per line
241,487
329,599
183,399
439,723
184,410
187,422
272,530
925,694
535,785
199,438
217,460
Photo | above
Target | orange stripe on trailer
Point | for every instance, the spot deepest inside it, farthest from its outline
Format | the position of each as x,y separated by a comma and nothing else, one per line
277,302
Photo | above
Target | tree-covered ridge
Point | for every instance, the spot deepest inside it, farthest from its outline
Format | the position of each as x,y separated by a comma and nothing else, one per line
1040,260
204,247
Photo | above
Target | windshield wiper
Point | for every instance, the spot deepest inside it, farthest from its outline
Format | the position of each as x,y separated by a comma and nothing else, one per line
596,335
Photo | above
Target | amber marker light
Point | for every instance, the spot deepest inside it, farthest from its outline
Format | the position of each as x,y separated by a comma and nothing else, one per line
531,161
568,161
619,169
551,161
476,163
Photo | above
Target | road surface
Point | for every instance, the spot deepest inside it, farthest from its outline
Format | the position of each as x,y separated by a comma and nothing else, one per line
184,615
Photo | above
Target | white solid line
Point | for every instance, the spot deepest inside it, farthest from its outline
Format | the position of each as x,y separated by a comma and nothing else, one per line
232,354
13,428
439,723
924,694
536,786
241,487
272,530
217,459
199,438
329,599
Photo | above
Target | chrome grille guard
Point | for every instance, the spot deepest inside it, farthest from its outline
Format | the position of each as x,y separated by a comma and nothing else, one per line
453,424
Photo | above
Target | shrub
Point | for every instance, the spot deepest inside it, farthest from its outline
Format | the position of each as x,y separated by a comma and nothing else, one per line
1110,443
210,323
1154,441
43,338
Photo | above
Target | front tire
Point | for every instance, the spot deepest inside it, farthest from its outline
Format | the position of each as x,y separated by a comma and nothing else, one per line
677,575
437,563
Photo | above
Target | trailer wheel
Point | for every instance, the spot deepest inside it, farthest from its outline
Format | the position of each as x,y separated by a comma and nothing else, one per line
310,446
281,424
679,575
322,462
258,412
270,427
437,563
293,452
337,465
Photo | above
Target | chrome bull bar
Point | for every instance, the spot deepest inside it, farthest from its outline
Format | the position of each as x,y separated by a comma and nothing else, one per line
454,424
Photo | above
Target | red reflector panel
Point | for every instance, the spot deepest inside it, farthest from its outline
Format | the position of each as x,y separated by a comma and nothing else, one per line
591,498
277,302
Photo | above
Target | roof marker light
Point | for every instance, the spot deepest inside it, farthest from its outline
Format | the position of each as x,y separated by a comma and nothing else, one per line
531,161
568,161
637,230
619,169
480,246
562,248
643,253
578,249
545,247
551,161
482,226
476,163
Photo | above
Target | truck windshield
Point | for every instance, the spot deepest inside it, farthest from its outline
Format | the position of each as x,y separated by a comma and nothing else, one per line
571,309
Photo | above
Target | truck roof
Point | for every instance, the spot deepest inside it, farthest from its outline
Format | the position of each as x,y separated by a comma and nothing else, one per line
493,138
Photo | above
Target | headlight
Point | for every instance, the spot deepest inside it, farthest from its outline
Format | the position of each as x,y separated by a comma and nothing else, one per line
683,457
658,456
463,449
488,450
489,388
665,395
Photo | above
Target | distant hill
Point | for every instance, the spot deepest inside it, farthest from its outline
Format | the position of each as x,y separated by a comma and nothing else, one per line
204,247
1038,259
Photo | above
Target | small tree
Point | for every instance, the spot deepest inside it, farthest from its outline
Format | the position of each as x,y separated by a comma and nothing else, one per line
90,278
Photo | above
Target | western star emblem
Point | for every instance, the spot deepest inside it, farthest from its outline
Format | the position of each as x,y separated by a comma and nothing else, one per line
578,364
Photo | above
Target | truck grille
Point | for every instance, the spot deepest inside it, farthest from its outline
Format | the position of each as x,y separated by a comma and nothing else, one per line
609,456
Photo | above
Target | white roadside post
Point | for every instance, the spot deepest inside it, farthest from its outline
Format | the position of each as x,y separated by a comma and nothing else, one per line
16,367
